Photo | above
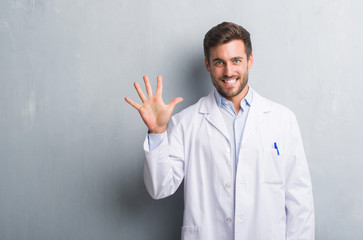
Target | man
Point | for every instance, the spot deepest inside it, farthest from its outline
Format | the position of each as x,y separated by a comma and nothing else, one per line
241,156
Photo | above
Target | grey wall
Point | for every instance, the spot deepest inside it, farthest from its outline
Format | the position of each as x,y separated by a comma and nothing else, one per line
71,154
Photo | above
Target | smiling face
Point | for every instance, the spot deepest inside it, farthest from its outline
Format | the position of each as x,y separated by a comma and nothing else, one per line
228,66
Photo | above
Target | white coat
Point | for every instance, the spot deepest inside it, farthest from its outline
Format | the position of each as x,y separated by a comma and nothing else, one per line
268,196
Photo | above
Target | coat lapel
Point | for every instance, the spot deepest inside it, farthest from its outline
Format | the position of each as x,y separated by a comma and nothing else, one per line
213,114
257,114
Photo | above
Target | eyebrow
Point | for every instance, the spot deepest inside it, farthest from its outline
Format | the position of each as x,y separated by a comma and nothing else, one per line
234,58
217,60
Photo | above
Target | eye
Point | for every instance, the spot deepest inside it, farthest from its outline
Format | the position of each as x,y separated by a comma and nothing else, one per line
237,61
218,63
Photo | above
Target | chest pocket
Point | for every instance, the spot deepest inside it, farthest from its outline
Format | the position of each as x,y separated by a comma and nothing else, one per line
273,167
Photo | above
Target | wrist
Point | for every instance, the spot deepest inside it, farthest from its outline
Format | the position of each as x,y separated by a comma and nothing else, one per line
157,130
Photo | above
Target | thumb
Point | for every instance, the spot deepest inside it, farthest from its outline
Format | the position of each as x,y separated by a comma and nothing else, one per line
174,102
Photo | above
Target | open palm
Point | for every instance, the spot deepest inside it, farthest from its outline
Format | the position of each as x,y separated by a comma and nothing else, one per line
154,112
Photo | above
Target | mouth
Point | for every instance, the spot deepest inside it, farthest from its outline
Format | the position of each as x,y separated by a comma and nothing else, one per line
230,81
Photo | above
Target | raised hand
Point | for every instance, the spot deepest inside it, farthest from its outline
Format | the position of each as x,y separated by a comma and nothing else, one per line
154,112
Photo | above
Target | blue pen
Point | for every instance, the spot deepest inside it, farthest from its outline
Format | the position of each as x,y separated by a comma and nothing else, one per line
277,149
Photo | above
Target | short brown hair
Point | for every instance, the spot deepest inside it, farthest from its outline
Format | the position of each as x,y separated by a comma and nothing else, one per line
224,33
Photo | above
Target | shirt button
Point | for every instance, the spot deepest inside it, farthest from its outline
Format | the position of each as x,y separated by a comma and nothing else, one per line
229,220
228,185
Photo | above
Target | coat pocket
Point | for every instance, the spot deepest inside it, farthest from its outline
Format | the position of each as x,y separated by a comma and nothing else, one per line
273,167
190,233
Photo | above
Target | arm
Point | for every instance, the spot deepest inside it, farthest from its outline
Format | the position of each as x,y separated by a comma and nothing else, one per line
300,223
163,169
164,165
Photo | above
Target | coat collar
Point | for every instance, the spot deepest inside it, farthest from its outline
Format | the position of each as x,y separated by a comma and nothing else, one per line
210,108
259,108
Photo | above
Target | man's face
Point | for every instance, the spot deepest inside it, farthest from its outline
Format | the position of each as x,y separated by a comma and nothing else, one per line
228,66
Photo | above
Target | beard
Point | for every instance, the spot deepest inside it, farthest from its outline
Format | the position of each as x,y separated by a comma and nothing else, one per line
226,94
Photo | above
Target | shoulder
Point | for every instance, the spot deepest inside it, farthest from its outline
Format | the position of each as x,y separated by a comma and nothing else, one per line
278,120
193,113
272,107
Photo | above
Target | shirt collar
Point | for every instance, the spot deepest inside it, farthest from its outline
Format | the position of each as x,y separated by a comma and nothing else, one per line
247,100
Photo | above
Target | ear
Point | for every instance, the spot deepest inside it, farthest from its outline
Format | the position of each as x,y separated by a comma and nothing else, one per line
207,64
250,61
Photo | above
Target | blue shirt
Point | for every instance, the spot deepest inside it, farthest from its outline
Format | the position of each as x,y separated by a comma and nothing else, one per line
235,123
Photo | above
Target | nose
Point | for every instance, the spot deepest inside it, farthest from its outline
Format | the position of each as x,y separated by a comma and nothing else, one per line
228,70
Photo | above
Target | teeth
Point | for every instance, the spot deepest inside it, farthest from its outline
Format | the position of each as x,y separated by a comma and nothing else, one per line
230,81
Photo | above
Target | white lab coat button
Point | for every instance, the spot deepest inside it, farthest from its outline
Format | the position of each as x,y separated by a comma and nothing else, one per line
227,185
228,150
229,220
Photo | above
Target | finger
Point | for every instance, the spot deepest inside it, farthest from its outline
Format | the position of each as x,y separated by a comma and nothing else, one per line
132,103
174,102
159,86
148,86
140,92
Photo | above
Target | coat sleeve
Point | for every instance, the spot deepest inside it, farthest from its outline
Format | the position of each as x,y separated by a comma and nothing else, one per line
164,165
300,222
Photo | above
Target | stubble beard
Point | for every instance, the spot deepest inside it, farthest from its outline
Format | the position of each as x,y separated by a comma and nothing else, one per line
232,94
